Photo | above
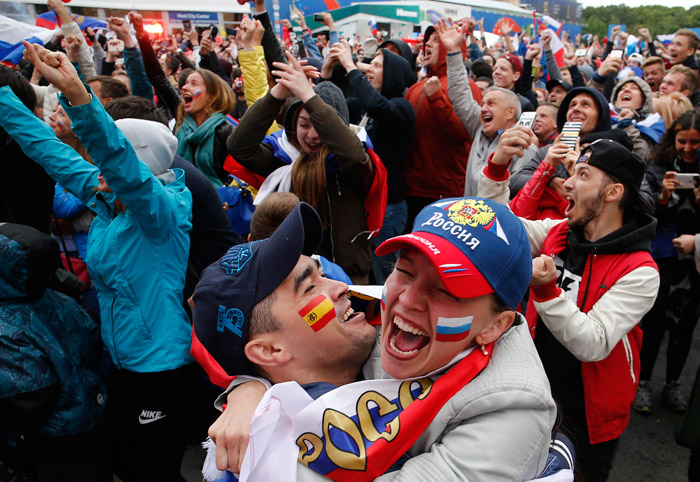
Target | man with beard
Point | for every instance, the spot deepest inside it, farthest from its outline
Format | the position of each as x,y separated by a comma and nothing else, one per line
592,283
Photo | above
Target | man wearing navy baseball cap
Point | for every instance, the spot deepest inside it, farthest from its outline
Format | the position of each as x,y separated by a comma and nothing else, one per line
448,308
592,283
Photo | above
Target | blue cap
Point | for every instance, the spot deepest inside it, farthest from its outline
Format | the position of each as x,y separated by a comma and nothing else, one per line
230,287
476,245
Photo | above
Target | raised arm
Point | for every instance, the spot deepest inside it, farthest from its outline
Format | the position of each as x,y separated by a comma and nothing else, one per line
458,88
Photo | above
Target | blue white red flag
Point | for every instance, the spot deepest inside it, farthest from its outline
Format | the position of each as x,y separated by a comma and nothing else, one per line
373,25
12,33
51,21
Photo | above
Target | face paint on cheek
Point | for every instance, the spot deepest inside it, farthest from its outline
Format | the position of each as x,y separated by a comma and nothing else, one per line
382,303
61,125
318,312
197,93
453,329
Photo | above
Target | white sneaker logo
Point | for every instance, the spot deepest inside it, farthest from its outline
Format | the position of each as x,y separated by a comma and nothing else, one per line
148,416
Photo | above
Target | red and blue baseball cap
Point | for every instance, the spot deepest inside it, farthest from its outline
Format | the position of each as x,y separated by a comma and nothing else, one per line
230,287
477,246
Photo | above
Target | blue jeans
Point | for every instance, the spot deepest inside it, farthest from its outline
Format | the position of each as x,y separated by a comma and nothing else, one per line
394,224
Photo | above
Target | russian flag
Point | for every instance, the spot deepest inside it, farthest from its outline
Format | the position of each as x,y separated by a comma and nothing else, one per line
12,33
556,45
373,25
453,329
51,21
231,120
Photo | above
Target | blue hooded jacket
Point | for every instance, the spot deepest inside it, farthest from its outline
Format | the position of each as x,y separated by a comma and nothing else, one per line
49,347
137,258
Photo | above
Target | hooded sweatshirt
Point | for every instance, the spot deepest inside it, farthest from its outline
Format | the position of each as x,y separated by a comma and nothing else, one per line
520,178
437,162
646,127
391,118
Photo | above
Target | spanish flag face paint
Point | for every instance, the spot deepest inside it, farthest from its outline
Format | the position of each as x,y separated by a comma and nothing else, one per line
318,312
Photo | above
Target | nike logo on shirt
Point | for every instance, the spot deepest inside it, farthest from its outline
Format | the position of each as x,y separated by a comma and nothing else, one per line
149,416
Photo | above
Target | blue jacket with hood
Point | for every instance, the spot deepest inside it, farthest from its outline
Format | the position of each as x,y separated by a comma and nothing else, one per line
137,258
49,347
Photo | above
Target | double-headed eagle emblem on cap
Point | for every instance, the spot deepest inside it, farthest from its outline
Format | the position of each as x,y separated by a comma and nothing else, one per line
471,212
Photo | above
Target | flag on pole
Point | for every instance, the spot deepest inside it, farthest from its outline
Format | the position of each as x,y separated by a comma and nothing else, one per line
12,33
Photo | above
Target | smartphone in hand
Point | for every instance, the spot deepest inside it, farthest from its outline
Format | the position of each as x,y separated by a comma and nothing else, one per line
527,119
687,180
570,133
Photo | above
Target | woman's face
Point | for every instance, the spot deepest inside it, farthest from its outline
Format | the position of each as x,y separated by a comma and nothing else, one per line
687,145
418,311
307,136
60,123
194,94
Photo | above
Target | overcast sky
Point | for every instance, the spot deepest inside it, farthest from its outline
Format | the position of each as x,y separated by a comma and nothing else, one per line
638,3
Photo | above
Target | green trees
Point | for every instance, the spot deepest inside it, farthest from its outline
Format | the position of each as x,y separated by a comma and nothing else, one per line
659,20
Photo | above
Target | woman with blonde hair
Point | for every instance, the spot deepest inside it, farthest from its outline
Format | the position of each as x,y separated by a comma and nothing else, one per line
200,109
201,128
671,106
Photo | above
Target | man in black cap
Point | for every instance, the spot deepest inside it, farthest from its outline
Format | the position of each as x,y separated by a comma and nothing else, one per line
591,285
557,89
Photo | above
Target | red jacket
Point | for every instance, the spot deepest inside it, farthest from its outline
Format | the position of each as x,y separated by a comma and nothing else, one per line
536,200
609,385
438,158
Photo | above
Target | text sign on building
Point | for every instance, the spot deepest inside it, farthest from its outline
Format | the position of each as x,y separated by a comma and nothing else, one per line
197,18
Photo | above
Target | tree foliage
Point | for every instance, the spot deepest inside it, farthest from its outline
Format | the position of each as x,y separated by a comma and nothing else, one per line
658,19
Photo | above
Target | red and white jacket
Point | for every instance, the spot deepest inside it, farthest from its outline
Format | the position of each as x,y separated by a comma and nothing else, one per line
619,289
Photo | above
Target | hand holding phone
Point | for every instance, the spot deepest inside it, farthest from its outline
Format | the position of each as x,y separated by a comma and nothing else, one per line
616,54
687,180
318,17
570,133
527,119
187,25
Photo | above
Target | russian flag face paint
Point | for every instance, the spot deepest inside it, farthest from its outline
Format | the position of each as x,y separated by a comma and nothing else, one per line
318,312
383,300
196,93
453,329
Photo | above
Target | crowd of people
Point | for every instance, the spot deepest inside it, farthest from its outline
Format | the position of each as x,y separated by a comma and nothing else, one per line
533,220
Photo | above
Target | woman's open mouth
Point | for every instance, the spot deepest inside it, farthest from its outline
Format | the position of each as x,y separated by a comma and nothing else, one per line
405,340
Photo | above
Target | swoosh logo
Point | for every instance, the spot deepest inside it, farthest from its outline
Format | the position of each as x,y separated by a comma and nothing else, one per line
144,421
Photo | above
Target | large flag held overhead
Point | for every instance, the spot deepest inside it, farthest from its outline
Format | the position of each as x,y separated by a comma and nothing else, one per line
12,33
51,20
556,45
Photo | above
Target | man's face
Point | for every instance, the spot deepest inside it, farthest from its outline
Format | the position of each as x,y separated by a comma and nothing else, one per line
391,47
672,82
431,54
504,75
483,86
680,49
546,122
416,300
557,94
566,76
583,108
585,191
375,71
346,339
629,97
653,75
495,113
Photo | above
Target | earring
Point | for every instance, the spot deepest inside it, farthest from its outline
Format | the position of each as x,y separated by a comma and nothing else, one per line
483,350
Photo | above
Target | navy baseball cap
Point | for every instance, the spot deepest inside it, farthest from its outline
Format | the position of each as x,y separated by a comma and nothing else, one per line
476,245
230,287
